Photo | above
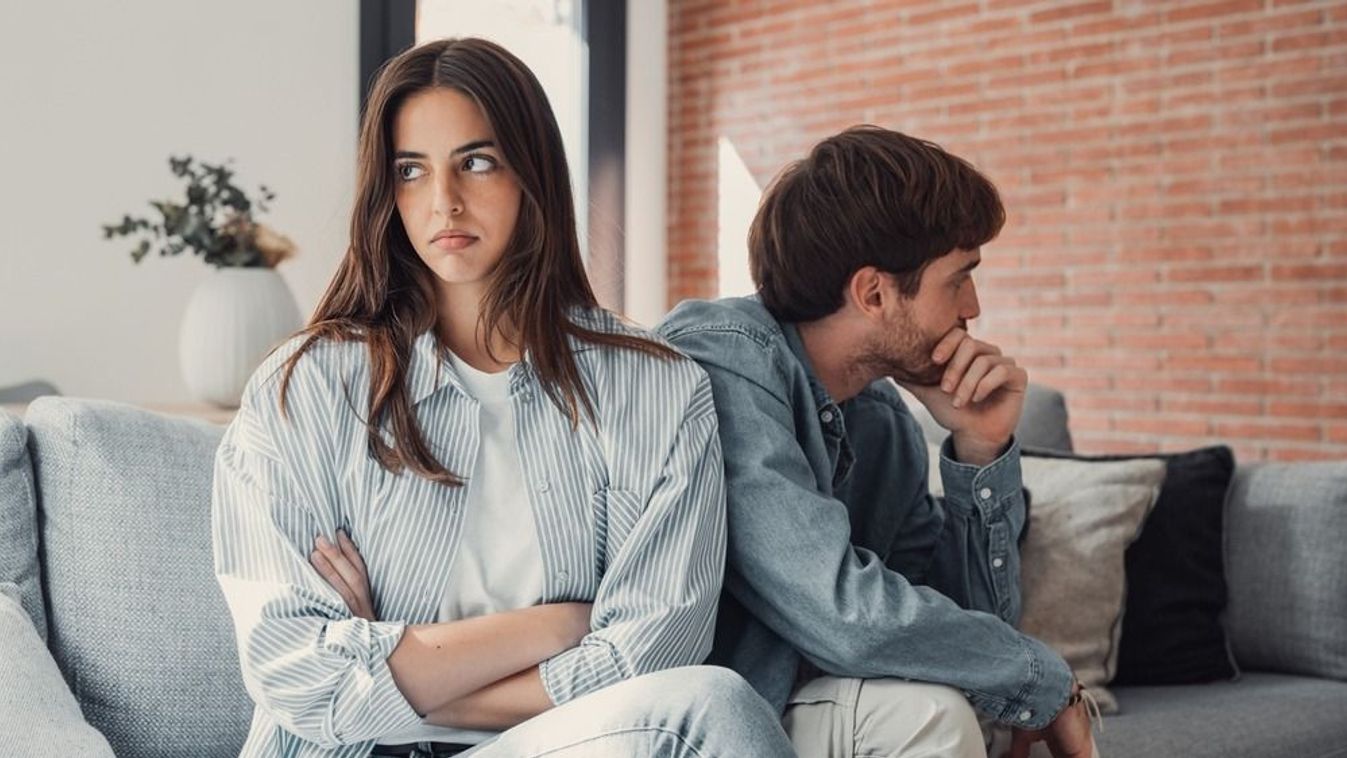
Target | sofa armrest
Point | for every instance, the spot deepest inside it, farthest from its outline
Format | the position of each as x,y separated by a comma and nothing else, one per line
38,713
1285,527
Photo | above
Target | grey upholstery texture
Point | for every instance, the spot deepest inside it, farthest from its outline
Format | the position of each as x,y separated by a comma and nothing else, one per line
1043,425
41,717
1286,564
18,520
138,624
1260,716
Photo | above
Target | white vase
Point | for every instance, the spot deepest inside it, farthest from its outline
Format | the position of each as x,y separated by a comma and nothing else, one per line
234,318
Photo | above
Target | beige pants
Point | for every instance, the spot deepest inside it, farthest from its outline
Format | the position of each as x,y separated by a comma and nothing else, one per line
843,717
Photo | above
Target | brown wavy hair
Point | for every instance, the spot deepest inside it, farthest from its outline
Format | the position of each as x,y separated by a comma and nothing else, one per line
383,294
867,196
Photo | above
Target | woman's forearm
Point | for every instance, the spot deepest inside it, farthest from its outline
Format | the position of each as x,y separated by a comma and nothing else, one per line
436,664
497,706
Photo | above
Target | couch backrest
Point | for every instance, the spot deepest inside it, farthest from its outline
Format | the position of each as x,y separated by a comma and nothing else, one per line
137,622
18,520
1286,565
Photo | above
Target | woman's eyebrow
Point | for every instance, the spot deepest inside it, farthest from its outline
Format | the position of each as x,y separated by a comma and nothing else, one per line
474,145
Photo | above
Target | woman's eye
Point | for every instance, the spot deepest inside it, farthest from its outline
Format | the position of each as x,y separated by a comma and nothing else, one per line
408,171
479,164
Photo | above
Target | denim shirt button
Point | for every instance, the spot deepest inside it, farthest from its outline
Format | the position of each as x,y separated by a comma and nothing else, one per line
1026,715
826,417
986,493
998,563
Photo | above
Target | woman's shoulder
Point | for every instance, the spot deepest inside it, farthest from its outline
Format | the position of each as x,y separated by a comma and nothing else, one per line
663,375
307,366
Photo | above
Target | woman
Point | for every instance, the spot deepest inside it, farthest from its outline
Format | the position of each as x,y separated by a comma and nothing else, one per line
536,488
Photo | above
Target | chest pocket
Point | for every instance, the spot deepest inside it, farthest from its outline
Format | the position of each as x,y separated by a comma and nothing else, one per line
616,512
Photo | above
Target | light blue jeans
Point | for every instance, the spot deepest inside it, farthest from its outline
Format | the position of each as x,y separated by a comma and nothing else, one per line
690,712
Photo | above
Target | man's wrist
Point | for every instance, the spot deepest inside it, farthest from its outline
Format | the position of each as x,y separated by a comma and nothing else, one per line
977,452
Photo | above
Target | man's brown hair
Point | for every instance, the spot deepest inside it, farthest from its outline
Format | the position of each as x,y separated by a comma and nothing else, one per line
865,197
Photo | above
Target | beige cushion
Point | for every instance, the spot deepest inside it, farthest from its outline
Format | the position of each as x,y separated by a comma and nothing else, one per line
1083,516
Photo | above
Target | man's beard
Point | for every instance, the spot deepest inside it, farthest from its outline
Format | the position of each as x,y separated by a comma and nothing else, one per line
903,352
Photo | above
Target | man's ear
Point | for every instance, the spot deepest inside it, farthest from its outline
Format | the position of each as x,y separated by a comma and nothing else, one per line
867,292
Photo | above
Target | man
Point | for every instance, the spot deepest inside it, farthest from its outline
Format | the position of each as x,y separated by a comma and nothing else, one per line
871,613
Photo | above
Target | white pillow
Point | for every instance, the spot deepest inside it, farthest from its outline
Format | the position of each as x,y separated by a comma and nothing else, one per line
1082,517
38,713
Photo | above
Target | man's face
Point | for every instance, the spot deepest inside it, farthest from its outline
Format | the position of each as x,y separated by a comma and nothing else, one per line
945,300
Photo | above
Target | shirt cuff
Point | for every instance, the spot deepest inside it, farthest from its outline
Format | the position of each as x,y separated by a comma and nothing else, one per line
370,703
1046,691
984,489
580,670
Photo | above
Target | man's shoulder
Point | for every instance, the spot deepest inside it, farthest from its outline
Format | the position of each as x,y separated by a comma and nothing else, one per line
733,334
742,318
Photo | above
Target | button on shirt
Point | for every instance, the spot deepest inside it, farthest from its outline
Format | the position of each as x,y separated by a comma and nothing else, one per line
839,556
628,513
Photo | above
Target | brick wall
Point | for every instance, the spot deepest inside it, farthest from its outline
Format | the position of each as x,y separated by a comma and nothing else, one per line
1175,175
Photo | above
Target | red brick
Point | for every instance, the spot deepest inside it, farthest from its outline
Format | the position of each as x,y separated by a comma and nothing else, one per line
1267,430
1211,407
1169,426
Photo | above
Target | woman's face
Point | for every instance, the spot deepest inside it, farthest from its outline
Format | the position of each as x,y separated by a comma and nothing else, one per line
457,199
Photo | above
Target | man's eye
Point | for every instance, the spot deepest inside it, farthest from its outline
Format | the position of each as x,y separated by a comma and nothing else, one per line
408,171
479,164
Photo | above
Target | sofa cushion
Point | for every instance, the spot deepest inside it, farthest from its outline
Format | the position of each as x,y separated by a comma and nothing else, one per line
1084,514
1176,589
38,715
18,520
138,624
1286,525
1260,716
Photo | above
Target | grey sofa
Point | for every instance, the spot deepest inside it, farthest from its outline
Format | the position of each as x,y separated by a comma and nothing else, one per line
105,546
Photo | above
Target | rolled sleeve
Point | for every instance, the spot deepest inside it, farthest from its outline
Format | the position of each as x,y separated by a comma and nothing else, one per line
319,673
656,603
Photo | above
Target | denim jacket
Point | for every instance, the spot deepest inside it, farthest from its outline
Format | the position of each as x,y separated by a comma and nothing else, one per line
838,553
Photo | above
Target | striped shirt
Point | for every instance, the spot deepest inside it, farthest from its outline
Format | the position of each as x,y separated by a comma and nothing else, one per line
630,516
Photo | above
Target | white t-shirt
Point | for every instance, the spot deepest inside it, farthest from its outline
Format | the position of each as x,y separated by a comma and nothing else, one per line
498,565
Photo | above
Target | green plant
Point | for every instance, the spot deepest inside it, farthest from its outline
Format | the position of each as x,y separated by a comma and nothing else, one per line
215,220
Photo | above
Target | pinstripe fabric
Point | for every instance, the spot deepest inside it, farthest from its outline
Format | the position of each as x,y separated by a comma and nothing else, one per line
630,516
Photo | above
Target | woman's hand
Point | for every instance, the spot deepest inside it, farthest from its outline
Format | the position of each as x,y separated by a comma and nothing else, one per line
342,567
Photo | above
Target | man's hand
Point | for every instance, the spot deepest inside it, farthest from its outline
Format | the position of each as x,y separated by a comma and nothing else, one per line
342,567
979,398
1068,736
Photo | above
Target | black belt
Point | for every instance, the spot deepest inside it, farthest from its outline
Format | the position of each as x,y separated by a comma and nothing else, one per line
427,749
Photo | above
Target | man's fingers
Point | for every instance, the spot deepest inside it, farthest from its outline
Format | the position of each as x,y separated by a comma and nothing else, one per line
1020,743
945,347
1003,374
958,364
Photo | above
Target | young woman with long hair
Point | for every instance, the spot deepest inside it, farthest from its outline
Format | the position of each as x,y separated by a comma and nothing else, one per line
535,487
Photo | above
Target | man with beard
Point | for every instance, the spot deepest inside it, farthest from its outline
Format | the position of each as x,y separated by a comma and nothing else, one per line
876,617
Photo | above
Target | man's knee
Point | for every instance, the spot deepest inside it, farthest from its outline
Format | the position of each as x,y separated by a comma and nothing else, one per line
896,717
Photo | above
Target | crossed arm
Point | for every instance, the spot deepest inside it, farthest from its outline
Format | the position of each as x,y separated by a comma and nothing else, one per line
478,673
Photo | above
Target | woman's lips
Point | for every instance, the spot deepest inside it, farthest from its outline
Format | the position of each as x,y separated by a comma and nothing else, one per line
453,241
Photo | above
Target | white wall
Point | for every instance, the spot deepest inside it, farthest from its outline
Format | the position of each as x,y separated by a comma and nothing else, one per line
647,189
94,96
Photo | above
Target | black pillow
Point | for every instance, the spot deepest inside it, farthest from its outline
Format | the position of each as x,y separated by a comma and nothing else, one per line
1176,588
